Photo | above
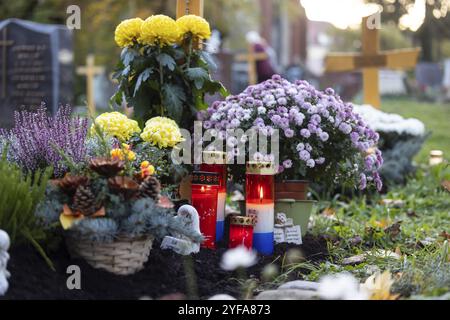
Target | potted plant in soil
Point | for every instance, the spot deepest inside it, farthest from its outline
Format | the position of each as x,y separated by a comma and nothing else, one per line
110,205
162,70
111,215
321,138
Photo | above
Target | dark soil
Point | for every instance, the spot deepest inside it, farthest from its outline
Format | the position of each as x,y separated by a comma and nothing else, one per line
164,274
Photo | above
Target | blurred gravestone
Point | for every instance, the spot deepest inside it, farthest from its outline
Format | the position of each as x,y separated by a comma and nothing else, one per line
392,82
428,75
35,66
103,91
446,78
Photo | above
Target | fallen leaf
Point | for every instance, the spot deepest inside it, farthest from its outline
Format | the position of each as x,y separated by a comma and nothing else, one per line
444,234
411,213
446,185
383,223
354,260
355,240
394,229
380,253
328,212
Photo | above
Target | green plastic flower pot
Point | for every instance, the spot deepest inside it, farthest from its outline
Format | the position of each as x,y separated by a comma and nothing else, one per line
298,210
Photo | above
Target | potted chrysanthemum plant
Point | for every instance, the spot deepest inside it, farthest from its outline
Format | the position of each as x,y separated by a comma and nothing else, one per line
321,138
163,71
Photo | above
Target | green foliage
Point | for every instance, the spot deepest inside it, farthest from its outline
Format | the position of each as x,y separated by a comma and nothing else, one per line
125,217
362,226
19,196
168,81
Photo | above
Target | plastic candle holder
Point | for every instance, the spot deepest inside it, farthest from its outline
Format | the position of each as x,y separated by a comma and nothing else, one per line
215,161
241,231
205,186
259,203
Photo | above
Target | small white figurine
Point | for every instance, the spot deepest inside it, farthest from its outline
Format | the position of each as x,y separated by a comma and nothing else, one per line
181,244
4,257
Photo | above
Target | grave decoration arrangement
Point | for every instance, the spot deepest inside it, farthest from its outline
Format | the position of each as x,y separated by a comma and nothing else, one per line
111,207
163,70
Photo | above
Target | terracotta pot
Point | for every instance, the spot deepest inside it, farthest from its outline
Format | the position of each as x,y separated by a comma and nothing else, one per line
291,189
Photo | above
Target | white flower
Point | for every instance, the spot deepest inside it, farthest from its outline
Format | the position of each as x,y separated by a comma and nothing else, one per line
389,122
239,257
342,286
261,110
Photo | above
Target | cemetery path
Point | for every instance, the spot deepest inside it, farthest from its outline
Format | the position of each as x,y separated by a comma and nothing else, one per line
163,274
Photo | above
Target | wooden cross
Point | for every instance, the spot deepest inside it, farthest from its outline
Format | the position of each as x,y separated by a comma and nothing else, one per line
370,61
90,71
185,7
4,43
251,58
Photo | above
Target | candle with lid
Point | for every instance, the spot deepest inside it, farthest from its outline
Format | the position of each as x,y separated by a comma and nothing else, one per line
205,186
259,203
215,161
241,231
436,157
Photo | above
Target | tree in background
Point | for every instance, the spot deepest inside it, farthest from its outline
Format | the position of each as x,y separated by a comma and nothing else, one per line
435,30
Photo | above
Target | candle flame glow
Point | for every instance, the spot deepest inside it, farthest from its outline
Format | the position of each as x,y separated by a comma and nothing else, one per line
261,193
203,189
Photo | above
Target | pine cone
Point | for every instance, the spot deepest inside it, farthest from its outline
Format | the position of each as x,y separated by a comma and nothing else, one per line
84,201
69,183
106,166
150,188
124,185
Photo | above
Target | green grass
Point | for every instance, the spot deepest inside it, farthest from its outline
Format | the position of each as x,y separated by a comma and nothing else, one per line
364,225
435,116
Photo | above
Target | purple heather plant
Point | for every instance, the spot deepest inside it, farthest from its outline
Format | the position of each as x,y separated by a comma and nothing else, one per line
37,139
321,138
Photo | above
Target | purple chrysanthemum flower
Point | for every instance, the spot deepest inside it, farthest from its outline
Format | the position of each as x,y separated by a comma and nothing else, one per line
304,155
287,163
300,146
324,136
310,163
289,133
305,133
362,181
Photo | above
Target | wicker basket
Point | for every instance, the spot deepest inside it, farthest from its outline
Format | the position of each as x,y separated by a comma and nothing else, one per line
124,256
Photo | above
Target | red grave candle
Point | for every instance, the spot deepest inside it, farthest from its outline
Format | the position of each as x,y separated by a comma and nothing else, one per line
259,203
205,186
215,161
241,231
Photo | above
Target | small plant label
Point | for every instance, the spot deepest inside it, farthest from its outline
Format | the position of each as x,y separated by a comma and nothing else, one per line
180,246
286,231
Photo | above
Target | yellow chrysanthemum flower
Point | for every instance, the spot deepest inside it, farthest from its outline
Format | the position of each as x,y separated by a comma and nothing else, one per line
159,29
128,32
116,124
195,25
162,132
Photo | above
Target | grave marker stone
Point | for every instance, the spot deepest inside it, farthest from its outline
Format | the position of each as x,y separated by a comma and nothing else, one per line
35,66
